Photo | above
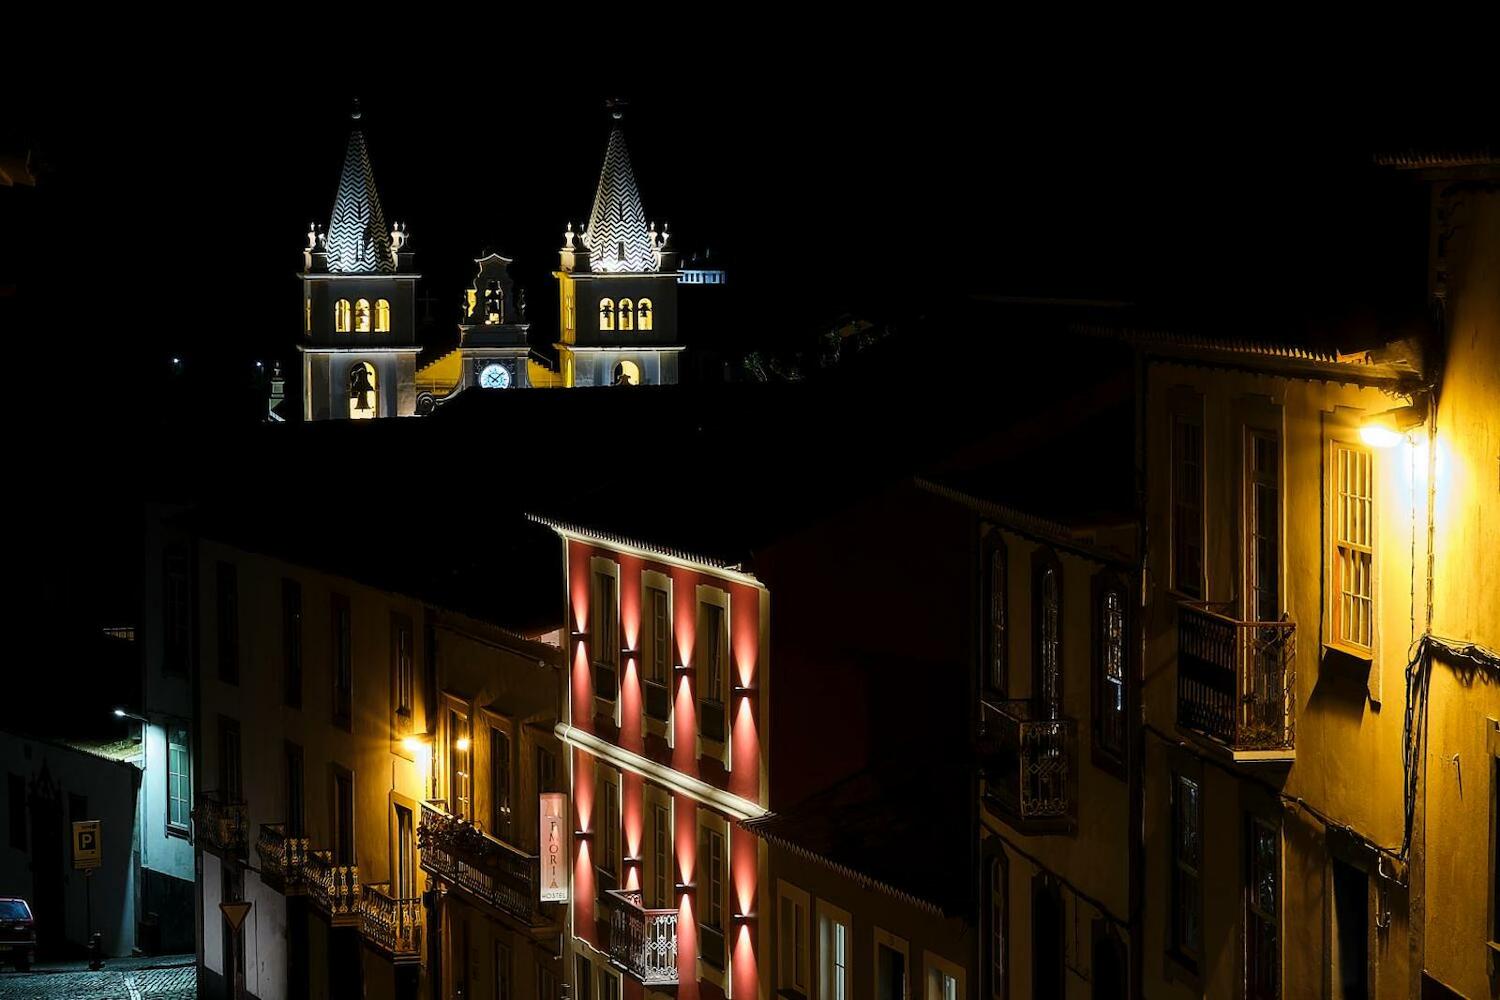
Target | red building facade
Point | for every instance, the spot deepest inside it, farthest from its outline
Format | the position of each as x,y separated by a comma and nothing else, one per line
666,727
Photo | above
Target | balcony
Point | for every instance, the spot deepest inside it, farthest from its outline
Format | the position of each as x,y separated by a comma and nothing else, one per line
220,825
392,924
1029,762
1235,684
642,942
333,888
282,858
491,871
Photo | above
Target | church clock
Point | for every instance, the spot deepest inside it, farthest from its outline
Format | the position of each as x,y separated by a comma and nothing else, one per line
494,376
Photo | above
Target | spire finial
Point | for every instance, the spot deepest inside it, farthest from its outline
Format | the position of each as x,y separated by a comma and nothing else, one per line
616,107
354,115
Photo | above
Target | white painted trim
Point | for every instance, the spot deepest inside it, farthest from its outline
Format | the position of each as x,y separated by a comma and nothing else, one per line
644,550
699,791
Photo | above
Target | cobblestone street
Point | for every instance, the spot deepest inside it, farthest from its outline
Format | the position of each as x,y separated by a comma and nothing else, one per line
159,978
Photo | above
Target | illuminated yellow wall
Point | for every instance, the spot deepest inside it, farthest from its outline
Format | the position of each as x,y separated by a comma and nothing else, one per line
1459,780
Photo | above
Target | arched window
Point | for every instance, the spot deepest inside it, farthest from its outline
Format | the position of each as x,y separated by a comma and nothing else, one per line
364,401
382,316
362,316
606,314
341,315
627,373
1046,630
494,304
627,314
643,314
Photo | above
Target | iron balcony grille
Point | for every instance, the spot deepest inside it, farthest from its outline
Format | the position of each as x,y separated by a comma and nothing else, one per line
1029,753
490,870
392,924
1236,681
282,858
642,942
333,888
220,824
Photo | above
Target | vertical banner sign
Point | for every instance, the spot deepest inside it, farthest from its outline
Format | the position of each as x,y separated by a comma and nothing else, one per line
554,848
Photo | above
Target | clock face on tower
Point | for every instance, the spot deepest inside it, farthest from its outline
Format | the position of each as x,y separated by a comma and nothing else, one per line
494,376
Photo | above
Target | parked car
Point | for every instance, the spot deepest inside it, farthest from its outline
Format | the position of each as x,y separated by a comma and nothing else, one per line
17,933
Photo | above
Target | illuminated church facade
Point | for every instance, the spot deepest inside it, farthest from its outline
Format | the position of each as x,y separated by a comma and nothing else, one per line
617,283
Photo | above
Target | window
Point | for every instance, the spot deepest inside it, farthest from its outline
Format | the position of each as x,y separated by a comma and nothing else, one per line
945,980
713,863
998,920
606,314
502,971
890,966
626,314
403,673
607,825
1263,526
226,585
494,304
458,765
1262,911
382,316
343,816
343,664
609,985
1046,626
1186,913
341,314
16,789
604,639
583,978
833,953
362,316
1109,673
546,981
500,762
177,621
404,877
1350,930
296,795
291,643
1353,546
996,595
364,401
791,966
179,778
643,314
656,633
712,662
659,859
1187,500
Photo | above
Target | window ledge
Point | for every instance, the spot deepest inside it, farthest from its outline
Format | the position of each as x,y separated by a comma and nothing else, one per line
1352,655
177,831
1182,970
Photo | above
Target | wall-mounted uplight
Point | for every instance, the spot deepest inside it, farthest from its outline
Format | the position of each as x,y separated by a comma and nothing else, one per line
414,744
1388,429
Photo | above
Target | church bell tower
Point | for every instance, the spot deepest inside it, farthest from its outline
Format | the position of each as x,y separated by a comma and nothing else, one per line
359,326
617,285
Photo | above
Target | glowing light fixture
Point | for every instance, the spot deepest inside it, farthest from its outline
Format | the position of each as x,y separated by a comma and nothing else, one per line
461,744
120,713
1388,429
413,744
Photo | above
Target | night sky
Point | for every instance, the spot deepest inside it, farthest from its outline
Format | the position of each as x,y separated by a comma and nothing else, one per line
830,175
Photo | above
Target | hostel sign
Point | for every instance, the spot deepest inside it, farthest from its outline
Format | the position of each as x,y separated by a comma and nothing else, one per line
554,860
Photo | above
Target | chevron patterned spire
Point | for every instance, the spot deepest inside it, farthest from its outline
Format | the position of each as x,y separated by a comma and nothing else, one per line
358,242
616,237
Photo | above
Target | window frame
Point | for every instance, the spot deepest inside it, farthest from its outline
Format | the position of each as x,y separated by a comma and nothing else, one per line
714,597
1111,759
658,868
403,676
789,896
601,569
458,723
343,316
608,823
606,315
830,917
1342,441
657,652
1179,895
935,967
1044,560
997,940
995,640
362,316
1186,409
174,827
382,316
711,826
882,937
643,311
1250,912
625,316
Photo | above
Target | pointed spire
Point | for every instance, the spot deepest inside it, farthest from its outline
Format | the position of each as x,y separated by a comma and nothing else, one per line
616,236
358,241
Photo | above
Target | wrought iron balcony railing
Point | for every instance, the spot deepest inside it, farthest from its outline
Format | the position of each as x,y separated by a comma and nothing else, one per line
220,824
1030,755
643,942
392,924
333,888
490,870
282,858
1236,682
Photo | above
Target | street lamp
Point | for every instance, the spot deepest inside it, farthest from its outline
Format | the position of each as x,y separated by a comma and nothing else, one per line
120,713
